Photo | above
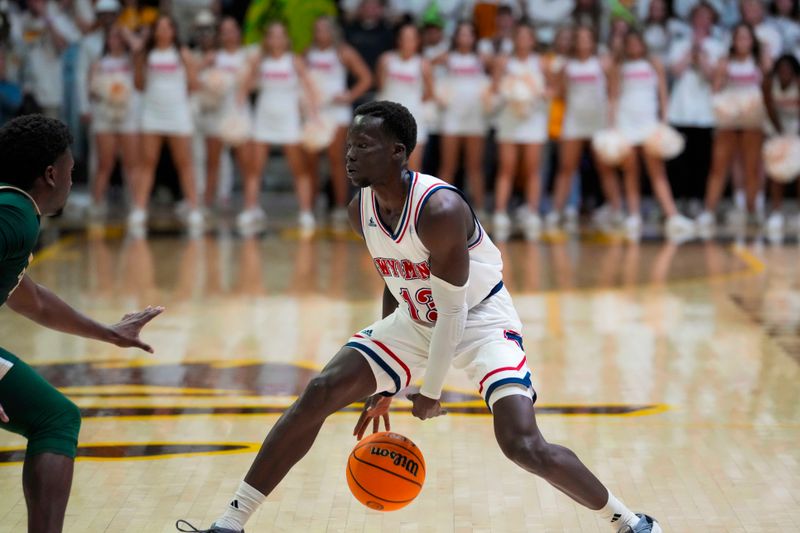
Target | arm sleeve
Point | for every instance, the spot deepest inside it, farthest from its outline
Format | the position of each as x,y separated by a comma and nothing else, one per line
451,306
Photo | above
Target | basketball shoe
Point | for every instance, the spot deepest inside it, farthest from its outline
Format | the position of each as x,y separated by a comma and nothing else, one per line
646,524
214,529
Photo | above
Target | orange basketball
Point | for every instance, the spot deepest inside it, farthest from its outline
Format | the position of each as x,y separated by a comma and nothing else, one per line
385,471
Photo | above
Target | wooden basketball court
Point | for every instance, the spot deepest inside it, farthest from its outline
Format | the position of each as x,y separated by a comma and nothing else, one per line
672,371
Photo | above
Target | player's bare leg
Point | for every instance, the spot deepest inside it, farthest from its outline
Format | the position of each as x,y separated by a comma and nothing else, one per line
347,378
46,482
521,441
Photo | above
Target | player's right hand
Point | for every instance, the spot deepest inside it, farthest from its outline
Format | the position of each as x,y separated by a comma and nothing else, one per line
375,408
3,415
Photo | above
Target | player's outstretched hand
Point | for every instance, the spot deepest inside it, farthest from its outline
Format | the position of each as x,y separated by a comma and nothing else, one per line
424,407
126,331
3,415
375,408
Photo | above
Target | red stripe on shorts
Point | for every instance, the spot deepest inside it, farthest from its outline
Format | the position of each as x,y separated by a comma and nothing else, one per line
391,354
496,370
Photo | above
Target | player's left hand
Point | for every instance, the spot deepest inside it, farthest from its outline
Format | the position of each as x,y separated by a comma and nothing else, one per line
126,331
3,415
424,407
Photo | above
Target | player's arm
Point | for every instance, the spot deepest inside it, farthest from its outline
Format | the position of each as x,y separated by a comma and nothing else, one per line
444,228
45,308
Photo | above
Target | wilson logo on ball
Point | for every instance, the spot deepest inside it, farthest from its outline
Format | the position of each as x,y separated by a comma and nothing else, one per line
412,467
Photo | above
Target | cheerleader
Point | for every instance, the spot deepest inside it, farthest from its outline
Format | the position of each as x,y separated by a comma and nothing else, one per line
404,76
740,122
222,95
279,75
583,83
115,115
165,73
521,130
639,103
329,62
782,99
463,120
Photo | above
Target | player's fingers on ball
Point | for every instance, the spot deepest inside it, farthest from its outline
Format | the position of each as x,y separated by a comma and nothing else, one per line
386,422
376,425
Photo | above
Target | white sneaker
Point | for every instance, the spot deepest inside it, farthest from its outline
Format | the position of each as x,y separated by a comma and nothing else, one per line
706,220
137,218
182,210
678,227
97,211
775,223
736,218
571,218
195,221
633,224
339,216
306,221
250,219
532,227
602,215
501,226
552,221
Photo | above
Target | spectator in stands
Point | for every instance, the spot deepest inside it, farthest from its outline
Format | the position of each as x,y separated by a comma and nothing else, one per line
785,16
767,32
165,73
370,35
10,92
45,33
502,41
91,48
138,17
546,17
404,76
330,61
692,60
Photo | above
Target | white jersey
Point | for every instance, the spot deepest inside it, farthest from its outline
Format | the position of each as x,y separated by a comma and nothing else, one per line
637,112
787,107
402,260
744,75
234,65
165,105
532,128
403,84
105,119
278,105
586,97
330,77
464,82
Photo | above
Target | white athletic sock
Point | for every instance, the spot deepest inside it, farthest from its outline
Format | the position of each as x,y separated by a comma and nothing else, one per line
616,514
244,504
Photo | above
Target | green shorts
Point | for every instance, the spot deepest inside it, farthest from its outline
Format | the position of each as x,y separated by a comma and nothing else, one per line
37,411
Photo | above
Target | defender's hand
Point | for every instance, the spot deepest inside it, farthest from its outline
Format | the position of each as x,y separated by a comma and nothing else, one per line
126,331
3,415
424,407
375,408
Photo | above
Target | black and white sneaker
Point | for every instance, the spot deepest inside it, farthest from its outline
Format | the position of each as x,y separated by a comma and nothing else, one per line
646,524
214,529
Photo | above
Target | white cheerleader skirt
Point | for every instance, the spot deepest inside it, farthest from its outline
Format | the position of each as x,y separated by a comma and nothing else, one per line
634,128
167,118
583,123
277,121
104,122
531,129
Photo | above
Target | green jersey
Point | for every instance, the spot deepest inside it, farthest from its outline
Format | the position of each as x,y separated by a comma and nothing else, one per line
19,231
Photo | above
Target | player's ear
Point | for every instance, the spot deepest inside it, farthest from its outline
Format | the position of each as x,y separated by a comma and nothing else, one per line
50,176
399,152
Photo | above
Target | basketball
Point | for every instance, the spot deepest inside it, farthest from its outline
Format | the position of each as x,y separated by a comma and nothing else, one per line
385,471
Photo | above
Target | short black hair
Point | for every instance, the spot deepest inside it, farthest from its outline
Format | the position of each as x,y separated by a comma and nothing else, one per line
396,120
28,145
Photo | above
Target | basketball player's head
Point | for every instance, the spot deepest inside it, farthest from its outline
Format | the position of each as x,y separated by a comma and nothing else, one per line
35,157
380,139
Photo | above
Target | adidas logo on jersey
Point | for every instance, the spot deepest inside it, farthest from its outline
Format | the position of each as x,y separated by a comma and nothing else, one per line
367,332
372,223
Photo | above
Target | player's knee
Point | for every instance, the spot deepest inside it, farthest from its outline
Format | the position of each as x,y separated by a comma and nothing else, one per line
529,452
59,431
318,396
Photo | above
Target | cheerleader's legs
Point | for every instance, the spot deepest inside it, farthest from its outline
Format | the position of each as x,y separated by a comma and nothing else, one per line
531,159
750,142
336,160
151,150
610,184
106,145
722,152
569,156
214,148
508,154
658,179
474,163
415,161
259,155
302,179
450,151
180,146
631,174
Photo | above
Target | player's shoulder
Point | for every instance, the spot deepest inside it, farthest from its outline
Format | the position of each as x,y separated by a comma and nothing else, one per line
436,201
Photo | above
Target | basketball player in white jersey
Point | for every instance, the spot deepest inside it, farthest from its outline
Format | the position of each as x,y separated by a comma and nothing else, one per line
443,304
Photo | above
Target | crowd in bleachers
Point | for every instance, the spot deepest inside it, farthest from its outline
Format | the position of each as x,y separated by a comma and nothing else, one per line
552,107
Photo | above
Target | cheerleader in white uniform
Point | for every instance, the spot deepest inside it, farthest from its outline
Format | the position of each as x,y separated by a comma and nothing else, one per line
115,114
740,74
583,82
464,122
279,76
229,62
405,77
521,132
329,61
166,73
782,99
639,103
